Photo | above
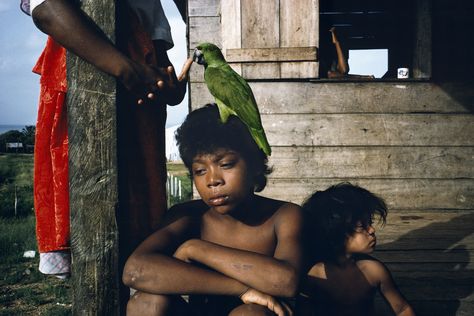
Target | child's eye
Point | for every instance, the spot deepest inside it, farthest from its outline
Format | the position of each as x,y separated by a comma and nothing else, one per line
227,164
199,171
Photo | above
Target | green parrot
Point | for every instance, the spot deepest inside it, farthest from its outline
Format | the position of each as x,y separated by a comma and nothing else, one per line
232,93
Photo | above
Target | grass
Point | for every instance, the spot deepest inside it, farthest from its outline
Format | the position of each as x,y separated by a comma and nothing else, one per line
23,289
17,167
16,181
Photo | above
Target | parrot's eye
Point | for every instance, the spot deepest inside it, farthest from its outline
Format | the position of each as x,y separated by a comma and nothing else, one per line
198,56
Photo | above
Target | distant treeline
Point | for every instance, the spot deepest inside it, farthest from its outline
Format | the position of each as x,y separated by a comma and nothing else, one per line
18,141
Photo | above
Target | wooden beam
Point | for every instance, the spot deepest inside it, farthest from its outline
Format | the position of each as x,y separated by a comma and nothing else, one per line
93,177
410,194
406,162
369,129
253,55
350,97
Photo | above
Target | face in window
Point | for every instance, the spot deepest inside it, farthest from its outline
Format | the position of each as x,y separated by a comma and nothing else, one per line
362,240
222,180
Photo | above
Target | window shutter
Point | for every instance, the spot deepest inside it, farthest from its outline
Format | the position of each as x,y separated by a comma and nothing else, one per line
271,39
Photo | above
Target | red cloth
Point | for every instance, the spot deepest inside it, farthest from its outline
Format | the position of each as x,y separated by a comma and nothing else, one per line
51,190
142,155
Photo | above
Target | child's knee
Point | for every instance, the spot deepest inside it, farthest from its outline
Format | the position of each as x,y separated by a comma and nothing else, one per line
251,310
143,304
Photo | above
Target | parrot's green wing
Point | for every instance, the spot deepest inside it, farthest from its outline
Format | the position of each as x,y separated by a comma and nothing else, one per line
234,96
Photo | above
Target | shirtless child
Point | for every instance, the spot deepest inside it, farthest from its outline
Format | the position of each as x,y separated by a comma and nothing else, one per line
343,279
232,246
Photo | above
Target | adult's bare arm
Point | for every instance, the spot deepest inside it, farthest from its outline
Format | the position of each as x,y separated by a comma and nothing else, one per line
67,24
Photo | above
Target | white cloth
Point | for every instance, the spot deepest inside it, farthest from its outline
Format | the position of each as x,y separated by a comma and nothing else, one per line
34,4
57,263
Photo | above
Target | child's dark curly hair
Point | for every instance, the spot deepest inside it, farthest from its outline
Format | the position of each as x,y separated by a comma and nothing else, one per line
332,215
202,132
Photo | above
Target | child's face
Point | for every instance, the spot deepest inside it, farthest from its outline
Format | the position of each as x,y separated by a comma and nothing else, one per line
362,240
222,179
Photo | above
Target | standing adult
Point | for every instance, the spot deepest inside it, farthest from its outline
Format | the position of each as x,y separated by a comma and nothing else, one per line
142,67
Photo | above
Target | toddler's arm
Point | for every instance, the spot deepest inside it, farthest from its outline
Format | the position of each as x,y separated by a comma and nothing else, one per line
390,292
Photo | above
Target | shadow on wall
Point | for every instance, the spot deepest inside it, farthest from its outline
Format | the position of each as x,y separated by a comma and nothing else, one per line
431,265
461,91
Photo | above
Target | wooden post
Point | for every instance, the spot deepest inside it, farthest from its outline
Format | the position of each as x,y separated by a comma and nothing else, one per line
91,102
422,46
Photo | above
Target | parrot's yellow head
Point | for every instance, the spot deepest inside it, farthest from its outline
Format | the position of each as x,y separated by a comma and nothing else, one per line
208,54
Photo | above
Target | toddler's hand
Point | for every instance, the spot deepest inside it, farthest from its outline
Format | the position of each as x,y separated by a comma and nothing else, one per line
256,297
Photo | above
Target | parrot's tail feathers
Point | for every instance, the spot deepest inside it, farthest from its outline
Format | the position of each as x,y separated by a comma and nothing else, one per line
261,140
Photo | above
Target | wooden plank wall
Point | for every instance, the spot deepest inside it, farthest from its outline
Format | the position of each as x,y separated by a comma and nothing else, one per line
410,142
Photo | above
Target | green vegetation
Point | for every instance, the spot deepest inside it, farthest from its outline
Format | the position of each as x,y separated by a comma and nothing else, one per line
26,137
16,185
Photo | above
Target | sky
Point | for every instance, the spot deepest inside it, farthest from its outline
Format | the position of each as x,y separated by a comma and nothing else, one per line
21,45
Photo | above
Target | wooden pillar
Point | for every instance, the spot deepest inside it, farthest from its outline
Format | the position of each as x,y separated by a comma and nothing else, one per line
91,102
422,46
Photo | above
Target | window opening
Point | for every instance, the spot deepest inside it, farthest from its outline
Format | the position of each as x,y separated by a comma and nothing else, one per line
366,26
368,62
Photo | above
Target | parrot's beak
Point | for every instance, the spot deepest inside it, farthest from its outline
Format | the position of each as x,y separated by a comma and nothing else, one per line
198,56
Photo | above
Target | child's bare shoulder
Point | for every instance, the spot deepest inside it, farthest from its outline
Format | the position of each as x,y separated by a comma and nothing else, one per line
277,208
189,209
373,269
280,207
286,213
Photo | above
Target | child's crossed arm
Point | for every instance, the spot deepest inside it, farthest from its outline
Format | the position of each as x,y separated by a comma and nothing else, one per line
277,275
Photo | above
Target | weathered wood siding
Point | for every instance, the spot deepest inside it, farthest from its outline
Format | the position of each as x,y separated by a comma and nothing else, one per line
93,178
262,39
408,141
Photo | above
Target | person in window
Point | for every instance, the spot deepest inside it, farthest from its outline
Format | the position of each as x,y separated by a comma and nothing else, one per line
334,59
339,66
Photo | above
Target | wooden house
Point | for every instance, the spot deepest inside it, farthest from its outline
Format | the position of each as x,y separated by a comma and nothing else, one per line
408,140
